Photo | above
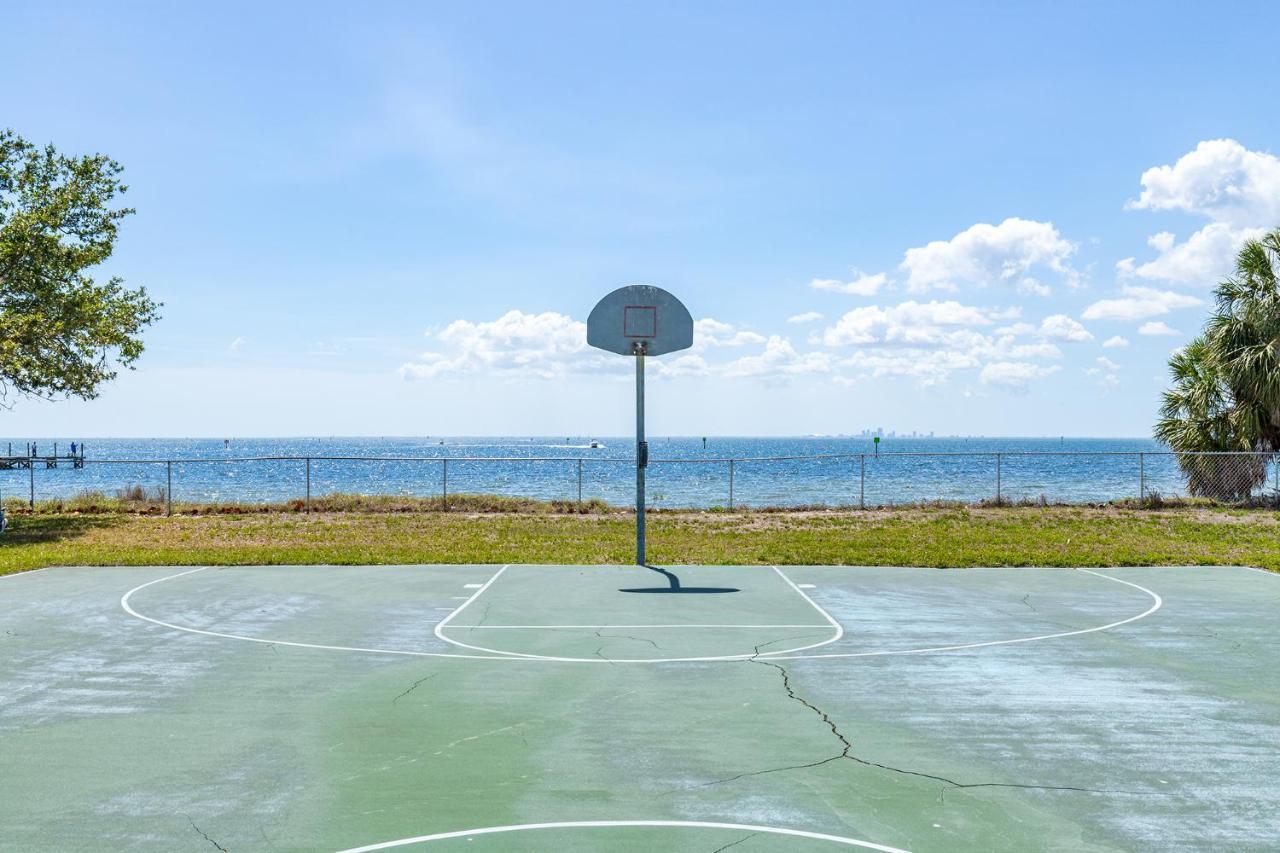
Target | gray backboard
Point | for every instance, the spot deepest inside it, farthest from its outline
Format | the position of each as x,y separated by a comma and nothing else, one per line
640,314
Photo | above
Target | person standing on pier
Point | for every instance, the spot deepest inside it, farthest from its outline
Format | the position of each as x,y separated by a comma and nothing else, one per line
73,448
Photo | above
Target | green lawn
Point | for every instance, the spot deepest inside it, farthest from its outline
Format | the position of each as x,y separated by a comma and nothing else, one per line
1030,536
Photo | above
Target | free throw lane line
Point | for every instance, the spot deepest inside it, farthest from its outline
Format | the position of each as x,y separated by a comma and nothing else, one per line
464,605
838,632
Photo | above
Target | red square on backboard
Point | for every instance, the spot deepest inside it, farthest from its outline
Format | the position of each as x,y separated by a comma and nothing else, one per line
640,321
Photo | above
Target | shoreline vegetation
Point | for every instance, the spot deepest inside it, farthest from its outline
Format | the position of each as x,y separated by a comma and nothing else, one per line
131,528
138,500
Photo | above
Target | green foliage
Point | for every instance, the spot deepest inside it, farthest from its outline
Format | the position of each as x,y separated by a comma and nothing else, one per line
62,334
1226,383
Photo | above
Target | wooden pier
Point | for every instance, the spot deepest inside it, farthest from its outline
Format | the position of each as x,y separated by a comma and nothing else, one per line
32,459
10,463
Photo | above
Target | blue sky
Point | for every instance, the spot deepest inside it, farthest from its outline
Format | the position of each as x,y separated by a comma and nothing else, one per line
966,218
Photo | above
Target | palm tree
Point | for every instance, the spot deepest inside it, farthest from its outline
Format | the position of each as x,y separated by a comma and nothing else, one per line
1225,395
1244,335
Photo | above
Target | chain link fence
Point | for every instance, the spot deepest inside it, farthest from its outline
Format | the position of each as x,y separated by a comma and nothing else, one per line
847,480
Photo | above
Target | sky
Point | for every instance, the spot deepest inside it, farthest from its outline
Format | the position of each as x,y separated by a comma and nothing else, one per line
393,219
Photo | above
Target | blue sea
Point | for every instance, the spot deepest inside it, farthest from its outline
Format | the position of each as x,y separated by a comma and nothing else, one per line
683,472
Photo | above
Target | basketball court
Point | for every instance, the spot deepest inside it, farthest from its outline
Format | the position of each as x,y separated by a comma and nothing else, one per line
583,708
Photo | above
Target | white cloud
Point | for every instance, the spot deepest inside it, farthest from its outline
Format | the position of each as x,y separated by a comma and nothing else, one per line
1220,179
1156,328
709,332
1238,190
1115,342
685,365
551,345
1205,258
806,317
778,359
929,341
927,367
1005,348
1060,327
909,323
1107,363
1029,286
1139,303
861,285
984,254
1014,375
544,345
237,345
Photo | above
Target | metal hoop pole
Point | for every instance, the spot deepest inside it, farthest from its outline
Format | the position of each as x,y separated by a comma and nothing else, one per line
168,487
997,479
641,459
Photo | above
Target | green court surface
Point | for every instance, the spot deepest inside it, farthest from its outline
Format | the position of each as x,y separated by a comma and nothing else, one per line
530,708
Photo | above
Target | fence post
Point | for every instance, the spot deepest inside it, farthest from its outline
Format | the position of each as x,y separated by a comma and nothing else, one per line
31,472
862,481
168,487
730,484
1142,477
579,485
444,484
308,484
998,459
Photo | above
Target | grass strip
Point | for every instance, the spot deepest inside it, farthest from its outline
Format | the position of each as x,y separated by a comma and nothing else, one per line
949,537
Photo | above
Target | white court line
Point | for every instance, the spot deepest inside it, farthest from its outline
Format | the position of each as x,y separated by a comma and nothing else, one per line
29,572
464,605
1260,571
503,656
595,627
472,585
128,608
807,585
839,632
825,615
622,824
1159,602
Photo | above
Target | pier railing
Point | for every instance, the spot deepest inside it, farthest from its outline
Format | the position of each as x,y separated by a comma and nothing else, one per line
863,480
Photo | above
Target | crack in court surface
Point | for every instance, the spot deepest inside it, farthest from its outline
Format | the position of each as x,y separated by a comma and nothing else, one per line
205,836
414,686
735,843
628,637
846,752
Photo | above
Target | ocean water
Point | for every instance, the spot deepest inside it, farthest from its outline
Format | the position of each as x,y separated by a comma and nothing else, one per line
683,472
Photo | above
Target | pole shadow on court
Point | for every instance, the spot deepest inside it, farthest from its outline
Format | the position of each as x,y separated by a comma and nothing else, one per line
674,585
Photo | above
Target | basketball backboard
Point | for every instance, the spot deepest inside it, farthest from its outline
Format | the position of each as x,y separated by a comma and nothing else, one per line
640,318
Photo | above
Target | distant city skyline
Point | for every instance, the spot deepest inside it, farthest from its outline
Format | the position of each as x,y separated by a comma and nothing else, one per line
394,221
